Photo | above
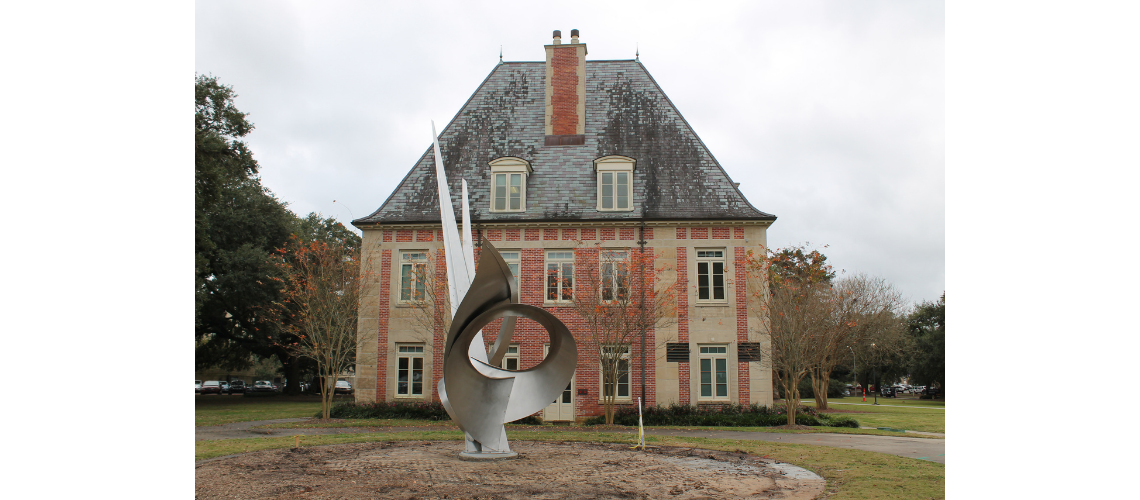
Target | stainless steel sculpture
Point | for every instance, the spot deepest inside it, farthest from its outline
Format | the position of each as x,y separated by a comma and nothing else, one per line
479,396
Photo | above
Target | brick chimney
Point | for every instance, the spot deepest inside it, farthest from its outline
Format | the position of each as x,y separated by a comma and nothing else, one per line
565,91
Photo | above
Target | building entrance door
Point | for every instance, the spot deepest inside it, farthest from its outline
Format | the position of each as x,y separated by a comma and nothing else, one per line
562,409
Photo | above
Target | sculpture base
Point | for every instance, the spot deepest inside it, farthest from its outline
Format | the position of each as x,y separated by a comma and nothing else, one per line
485,457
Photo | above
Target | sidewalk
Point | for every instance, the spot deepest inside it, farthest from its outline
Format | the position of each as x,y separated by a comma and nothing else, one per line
933,450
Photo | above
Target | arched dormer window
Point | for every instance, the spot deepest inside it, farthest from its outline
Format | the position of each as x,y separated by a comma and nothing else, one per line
615,183
508,184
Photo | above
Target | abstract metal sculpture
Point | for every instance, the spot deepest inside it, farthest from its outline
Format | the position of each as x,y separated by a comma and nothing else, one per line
479,396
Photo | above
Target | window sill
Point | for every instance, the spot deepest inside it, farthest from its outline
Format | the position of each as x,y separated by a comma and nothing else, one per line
418,397
712,304
561,303
630,209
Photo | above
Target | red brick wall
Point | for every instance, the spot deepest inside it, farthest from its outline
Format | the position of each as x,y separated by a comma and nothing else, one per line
438,335
496,234
564,90
738,233
683,320
626,233
549,234
425,235
607,233
720,233
512,235
682,233
589,234
742,380
699,233
569,234
648,233
382,335
532,234
387,235
403,235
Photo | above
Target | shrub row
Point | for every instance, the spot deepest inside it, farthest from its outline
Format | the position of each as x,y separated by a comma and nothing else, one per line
728,415
391,409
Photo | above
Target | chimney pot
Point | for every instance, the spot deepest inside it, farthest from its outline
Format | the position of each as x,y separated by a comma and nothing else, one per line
557,37
573,36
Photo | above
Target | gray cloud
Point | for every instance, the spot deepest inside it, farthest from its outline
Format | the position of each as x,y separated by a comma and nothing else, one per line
830,114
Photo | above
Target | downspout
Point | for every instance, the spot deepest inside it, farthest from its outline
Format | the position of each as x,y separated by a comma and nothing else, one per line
641,242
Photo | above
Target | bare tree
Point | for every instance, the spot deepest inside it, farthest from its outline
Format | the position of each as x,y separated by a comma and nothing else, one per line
620,299
861,309
321,297
798,317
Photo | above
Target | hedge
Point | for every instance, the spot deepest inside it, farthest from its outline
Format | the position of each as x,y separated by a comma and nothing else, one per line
727,415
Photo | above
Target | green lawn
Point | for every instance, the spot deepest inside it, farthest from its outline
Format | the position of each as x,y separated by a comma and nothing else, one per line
218,410
850,474
915,415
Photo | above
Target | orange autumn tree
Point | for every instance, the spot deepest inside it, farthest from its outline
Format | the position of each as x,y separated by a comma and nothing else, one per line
620,296
321,290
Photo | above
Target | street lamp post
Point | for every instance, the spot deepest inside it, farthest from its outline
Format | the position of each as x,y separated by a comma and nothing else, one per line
875,371
855,371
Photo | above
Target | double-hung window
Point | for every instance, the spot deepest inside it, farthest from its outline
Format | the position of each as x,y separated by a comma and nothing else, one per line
615,183
559,276
710,275
511,358
620,380
714,371
413,266
508,184
409,370
615,275
512,259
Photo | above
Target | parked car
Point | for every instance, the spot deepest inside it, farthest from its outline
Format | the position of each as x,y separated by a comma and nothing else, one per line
211,387
237,387
342,387
887,392
225,387
262,386
197,386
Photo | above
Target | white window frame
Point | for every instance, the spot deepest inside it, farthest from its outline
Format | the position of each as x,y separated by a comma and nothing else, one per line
560,258
711,353
513,258
511,355
513,172
709,271
623,374
411,352
613,263
612,168
407,272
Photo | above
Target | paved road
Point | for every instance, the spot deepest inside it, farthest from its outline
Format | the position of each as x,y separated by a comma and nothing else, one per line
920,448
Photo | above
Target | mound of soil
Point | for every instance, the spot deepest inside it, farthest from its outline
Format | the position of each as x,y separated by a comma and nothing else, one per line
432,470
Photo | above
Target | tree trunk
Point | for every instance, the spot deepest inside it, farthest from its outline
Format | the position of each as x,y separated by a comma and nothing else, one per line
292,367
791,400
819,382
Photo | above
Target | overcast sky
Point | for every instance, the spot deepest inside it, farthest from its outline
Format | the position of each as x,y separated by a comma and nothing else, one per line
828,114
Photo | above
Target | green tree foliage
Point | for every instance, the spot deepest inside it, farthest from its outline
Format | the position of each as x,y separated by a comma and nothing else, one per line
927,326
238,223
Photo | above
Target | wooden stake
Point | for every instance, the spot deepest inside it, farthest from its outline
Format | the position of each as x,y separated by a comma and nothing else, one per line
297,440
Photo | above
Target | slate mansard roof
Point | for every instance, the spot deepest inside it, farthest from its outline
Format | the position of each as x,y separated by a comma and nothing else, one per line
627,114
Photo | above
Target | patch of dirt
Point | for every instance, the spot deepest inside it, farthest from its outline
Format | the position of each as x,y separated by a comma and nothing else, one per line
795,427
432,470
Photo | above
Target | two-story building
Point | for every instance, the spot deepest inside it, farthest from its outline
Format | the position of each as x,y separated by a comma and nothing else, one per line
561,155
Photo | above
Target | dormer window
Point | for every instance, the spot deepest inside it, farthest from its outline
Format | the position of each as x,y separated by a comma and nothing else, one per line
615,183
508,184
